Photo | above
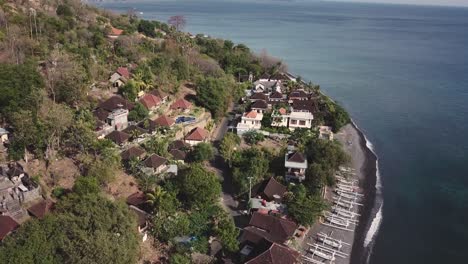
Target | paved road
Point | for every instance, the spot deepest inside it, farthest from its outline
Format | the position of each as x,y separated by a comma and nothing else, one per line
223,171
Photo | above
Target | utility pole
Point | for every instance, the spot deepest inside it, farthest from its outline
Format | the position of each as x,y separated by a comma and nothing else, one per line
250,188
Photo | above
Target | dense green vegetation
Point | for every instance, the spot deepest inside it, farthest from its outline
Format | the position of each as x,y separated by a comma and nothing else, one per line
84,228
55,64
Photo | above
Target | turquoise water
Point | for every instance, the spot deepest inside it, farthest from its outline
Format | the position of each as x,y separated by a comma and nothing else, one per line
402,72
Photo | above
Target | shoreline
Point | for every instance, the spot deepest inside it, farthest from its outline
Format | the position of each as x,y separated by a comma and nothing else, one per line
368,172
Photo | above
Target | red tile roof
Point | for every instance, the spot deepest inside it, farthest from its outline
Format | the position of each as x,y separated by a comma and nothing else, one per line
116,31
149,101
283,111
40,209
7,225
251,114
155,161
164,121
123,71
276,254
279,230
197,134
181,104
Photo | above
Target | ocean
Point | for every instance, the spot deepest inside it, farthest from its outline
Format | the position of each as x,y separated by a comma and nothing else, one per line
402,73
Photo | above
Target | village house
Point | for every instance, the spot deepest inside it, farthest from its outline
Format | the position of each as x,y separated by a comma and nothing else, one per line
299,94
260,106
156,164
16,189
120,77
182,105
255,249
134,152
258,96
301,114
296,165
278,76
164,121
118,137
276,98
300,120
269,190
280,117
249,121
196,136
7,226
118,119
179,144
112,114
325,132
272,228
267,197
162,95
114,33
267,87
150,102
178,155
309,106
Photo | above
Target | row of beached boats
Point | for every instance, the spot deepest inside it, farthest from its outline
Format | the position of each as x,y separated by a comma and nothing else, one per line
342,216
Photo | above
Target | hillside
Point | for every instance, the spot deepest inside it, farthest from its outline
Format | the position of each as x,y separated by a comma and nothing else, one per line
107,124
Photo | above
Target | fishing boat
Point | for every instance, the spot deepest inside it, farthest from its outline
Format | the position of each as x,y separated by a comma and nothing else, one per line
337,221
343,213
329,242
317,252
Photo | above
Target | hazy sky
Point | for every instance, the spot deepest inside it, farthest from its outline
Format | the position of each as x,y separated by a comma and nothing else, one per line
417,2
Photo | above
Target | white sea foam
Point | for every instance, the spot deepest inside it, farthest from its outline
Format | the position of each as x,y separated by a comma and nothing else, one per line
374,228
375,224
378,181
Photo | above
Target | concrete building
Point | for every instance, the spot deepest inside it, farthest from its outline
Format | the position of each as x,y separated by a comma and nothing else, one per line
250,121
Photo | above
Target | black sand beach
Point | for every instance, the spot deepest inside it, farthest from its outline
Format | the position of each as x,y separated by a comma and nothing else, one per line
367,181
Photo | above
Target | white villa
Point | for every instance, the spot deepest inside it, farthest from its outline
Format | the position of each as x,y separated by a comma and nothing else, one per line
300,120
267,87
250,121
293,119
296,165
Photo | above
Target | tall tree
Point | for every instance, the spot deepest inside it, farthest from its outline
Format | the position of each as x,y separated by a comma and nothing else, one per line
198,186
178,22
228,147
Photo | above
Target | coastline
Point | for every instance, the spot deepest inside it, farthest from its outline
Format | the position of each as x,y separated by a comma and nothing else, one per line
367,182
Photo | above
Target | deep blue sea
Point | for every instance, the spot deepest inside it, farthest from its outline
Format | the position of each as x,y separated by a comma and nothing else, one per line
401,71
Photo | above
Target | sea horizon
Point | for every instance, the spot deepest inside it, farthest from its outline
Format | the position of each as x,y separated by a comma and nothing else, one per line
400,70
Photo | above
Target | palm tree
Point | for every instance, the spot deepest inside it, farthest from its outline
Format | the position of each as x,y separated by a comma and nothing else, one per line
154,197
